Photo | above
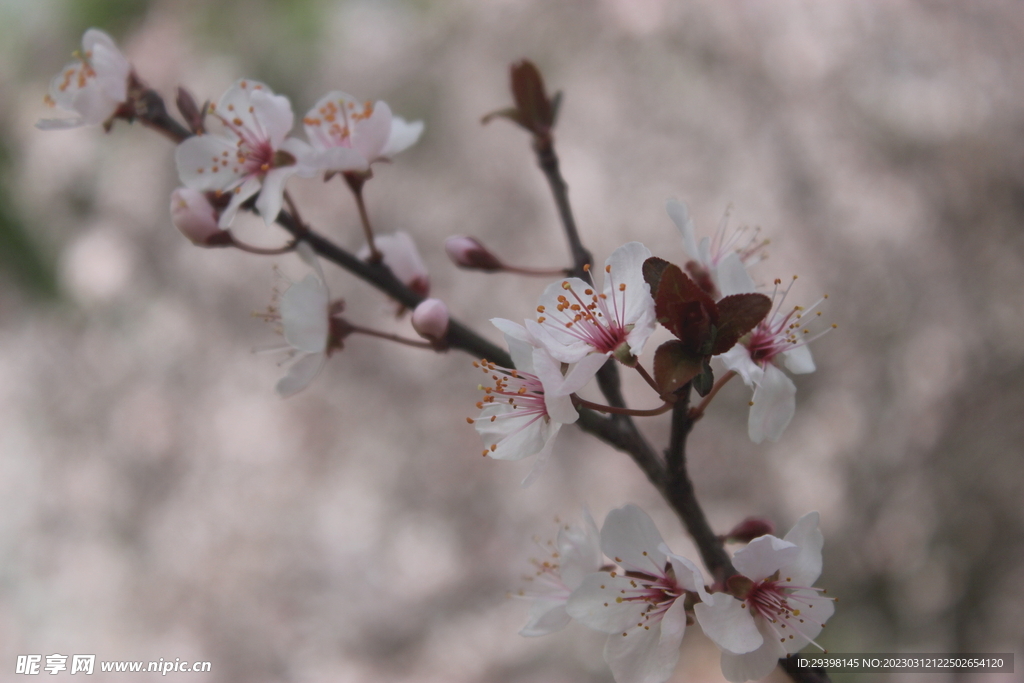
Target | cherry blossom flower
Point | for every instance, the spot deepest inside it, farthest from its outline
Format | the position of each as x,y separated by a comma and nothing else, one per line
93,86
781,336
772,610
349,135
719,263
577,554
578,325
403,258
643,608
252,154
527,406
195,217
311,325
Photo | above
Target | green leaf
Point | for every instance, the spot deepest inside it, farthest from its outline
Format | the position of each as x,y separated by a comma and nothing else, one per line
739,314
675,365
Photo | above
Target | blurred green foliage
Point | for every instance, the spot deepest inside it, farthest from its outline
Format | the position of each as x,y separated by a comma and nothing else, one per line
20,255
113,16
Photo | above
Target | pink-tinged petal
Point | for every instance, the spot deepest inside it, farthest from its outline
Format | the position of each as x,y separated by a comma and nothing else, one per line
729,623
194,159
516,435
805,568
546,616
371,134
630,537
731,276
272,193
403,135
757,664
273,114
301,373
798,360
641,655
401,256
594,604
579,550
774,405
764,556
680,215
304,315
193,215
739,361
239,196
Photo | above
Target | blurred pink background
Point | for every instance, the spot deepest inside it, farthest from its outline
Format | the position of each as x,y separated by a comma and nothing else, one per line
157,499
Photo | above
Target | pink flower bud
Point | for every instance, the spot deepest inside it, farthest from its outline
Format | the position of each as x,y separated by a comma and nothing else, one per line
193,214
749,529
430,320
468,252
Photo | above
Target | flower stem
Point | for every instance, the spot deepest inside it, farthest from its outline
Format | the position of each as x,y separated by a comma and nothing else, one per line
391,337
649,380
538,272
614,410
356,182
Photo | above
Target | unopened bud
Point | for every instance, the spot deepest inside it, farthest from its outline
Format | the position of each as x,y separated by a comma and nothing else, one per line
192,213
468,252
430,320
749,529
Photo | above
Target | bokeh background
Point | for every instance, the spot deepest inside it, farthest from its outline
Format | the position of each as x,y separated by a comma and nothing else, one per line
158,500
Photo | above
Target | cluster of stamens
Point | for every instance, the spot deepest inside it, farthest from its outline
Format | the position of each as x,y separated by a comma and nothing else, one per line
777,601
744,241
657,589
591,317
783,330
254,153
333,126
520,390
79,75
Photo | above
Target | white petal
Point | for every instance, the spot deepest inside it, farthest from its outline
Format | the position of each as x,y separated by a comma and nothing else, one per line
194,159
304,315
540,463
594,605
402,136
579,549
546,616
301,373
680,215
739,361
626,264
515,434
757,664
581,373
630,537
273,114
272,192
774,405
556,399
805,568
369,135
563,345
112,71
731,626
687,574
518,341
798,360
239,196
731,276
642,655
764,556
337,159
813,617
93,104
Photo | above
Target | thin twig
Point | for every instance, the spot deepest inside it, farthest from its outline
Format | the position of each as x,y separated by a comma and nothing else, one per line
613,410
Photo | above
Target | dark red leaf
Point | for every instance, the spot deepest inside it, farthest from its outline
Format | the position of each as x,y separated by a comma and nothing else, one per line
687,312
738,314
674,366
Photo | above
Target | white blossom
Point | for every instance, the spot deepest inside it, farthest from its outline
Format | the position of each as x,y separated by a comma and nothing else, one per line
93,86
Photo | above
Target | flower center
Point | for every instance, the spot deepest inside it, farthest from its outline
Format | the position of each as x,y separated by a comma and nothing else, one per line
521,390
599,320
658,591
788,612
782,331
333,126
